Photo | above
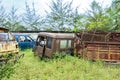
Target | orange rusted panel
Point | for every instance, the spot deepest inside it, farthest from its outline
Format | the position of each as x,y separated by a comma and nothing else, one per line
115,56
100,45
103,56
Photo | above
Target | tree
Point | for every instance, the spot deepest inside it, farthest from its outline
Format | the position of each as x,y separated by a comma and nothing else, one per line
31,19
61,16
78,21
114,12
2,15
97,18
13,22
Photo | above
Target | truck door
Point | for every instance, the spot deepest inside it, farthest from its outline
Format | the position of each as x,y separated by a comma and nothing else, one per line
40,46
25,42
22,43
49,47
30,42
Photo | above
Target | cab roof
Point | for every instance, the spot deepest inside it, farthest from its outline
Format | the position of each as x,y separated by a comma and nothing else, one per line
56,35
3,29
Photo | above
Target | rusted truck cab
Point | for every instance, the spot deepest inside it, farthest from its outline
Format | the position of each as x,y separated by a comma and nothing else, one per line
47,44
8,44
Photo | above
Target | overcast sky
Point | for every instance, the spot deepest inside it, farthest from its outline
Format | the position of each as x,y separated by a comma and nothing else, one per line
42,5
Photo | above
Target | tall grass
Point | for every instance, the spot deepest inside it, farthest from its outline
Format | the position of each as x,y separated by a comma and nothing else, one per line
66,68
6,69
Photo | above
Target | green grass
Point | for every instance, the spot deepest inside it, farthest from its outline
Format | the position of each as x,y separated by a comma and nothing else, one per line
67,68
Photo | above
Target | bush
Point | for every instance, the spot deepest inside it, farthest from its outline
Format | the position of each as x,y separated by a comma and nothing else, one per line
59,55
6,69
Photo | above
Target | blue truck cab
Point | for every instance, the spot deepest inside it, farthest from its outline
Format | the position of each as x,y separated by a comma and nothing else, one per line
24,41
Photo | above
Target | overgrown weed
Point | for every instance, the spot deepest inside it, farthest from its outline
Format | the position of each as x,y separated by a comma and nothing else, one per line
64,67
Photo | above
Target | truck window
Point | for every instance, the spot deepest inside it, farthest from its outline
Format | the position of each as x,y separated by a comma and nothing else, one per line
41,41
65,43
49,42
2,37
21,38
28,38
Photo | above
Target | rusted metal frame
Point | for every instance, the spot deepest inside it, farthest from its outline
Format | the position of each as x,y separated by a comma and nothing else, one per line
106,37
106,42
98,53
82,44
92,36
109,53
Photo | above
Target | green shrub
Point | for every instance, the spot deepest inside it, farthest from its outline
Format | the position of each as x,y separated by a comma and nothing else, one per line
59,55
7,66
6,69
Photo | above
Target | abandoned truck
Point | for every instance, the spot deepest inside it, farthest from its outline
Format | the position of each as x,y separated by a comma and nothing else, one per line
8,44
24,41
103,46
48,43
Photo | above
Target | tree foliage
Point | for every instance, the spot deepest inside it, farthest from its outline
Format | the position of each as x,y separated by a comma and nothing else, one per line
114,12
3,15
97,18
13,22
61,15
31,19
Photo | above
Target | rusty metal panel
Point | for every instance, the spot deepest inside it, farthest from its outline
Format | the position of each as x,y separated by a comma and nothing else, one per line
8,44
104,52
99,45
99,36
